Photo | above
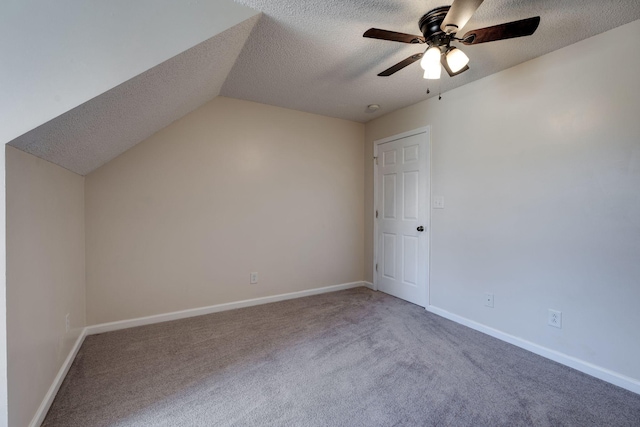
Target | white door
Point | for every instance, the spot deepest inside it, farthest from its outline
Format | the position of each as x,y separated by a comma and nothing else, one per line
402,208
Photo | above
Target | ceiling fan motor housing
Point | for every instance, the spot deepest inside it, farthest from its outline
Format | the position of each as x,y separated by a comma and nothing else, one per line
439,28
430,26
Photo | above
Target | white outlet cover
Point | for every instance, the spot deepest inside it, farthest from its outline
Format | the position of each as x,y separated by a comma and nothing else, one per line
253,278
488,300
555,318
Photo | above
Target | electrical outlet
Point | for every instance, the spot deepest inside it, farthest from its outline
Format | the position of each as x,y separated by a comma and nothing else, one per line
488,300
555,318
253,278
67,324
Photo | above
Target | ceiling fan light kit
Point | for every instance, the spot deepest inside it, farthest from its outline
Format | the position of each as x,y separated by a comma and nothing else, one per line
456,59
433,73
439,28
430,63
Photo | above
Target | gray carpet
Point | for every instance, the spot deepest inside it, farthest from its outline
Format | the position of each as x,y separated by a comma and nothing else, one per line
349,358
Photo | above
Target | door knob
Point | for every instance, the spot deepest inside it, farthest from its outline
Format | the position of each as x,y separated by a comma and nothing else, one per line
420,229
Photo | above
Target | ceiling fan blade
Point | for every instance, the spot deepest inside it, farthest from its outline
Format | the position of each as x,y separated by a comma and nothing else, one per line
376,33
400,65
459,14
510,30
445,65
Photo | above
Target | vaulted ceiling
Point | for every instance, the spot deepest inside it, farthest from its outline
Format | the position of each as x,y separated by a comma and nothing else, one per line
55,55
88,136
309,56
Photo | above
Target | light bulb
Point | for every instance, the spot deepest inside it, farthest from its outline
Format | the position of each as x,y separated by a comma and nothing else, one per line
430,57
456,59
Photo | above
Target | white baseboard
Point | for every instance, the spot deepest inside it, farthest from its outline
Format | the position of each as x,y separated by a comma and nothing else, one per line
604,374
40,414
38,418
158,318
612,377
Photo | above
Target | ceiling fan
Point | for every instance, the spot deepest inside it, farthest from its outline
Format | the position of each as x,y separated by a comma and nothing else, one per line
439,28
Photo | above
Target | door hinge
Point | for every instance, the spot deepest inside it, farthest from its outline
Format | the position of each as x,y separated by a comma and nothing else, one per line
376,267
376,213
376,159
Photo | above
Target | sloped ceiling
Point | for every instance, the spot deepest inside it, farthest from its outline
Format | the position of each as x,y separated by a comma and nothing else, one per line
90,135
309,56
56,55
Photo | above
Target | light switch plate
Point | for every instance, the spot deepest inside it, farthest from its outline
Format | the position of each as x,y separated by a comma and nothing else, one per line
438,202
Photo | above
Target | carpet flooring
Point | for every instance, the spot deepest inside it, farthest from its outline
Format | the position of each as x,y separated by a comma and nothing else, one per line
348,358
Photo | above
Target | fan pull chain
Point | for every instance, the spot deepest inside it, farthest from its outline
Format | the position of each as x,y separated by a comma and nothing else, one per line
439,93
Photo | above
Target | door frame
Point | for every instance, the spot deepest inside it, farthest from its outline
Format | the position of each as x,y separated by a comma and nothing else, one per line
426,130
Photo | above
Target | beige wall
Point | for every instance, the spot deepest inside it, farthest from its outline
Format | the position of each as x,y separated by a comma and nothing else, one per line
45,276
539,166
180,220
4,419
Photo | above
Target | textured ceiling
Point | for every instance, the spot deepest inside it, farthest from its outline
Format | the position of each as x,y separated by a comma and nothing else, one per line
95,132
311,56
55,55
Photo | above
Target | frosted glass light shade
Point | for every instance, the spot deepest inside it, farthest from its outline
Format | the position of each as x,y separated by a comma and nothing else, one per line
430,58
456,59
430,63
433,72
